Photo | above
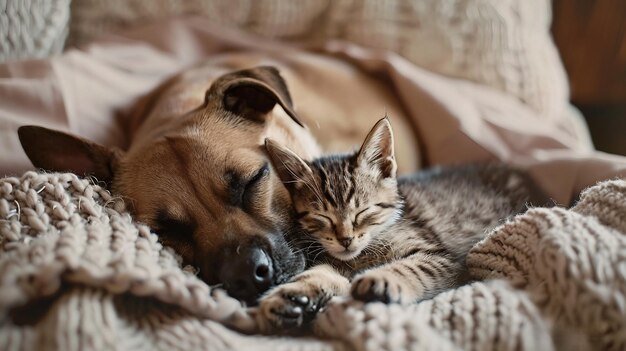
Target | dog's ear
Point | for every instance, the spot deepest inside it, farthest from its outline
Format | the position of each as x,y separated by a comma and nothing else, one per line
291,169
253,93
377,151
60,152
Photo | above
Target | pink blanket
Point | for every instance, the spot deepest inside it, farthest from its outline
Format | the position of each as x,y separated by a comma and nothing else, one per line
89,92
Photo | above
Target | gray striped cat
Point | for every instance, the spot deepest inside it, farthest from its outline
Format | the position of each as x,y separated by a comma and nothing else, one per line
381,238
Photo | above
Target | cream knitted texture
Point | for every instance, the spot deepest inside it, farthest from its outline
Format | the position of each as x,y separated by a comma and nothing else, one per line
32,28
76,273
93,319
571,263
59,228
479,316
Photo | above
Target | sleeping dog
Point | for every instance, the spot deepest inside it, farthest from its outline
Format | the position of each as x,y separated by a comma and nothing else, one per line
196,169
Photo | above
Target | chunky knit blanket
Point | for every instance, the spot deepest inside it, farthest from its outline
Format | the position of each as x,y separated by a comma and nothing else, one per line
32,28
76,273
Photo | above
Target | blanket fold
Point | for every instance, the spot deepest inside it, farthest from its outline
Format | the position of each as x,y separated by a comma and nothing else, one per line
58,228
69,248
572,263
480,316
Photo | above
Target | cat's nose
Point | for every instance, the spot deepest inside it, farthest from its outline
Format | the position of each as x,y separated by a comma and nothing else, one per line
345,242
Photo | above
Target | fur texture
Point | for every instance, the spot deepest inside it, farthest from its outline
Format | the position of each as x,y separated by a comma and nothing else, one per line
394,240
200,178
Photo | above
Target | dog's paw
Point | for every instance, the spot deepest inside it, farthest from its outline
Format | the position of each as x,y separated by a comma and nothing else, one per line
380,286
290,305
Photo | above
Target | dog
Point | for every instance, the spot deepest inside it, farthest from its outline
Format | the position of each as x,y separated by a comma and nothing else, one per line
196,171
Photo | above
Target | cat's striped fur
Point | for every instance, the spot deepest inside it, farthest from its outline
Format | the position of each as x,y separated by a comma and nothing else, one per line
382,238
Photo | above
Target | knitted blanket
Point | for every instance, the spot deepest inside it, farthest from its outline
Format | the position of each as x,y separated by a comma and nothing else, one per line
76,273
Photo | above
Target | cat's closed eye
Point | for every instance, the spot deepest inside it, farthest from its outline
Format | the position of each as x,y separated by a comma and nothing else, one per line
328,220
367,217
315,222
359,216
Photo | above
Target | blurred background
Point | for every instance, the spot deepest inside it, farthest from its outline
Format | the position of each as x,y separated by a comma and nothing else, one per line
590,37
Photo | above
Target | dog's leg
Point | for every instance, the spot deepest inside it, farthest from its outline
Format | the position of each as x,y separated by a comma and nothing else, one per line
298,301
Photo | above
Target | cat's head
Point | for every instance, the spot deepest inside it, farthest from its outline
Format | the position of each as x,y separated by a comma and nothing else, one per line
344,201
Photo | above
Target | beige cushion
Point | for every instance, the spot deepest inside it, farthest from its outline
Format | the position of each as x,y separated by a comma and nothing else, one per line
32,28
504,44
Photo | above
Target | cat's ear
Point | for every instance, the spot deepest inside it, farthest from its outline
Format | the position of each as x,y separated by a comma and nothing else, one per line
377,150
291,169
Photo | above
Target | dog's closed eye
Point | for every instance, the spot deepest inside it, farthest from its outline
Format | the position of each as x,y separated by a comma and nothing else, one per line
175,233
242,188
250,187
172,227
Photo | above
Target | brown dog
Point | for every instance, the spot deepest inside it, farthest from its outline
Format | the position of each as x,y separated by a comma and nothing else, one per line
196,169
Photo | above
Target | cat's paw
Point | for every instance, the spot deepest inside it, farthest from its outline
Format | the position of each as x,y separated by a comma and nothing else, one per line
290,305
380,286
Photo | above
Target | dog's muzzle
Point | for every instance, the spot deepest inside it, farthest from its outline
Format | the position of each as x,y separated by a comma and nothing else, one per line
247,273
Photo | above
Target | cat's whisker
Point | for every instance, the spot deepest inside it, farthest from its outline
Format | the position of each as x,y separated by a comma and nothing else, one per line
317,194
319,253
310,245
298,179
316,250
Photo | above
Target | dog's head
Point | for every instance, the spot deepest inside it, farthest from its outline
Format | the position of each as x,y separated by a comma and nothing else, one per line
202,179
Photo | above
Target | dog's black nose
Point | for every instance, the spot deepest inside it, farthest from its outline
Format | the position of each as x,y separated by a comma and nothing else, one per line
247,273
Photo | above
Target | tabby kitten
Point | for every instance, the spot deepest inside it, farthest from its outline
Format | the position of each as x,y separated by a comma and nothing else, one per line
382,238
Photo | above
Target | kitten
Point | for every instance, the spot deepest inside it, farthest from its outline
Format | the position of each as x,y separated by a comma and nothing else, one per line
398,240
